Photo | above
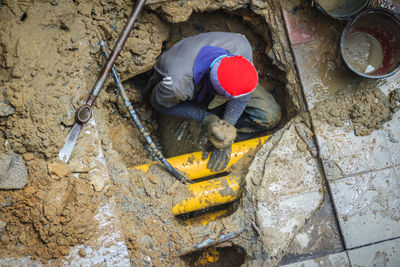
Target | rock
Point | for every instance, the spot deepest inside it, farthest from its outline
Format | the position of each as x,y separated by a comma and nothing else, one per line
28,156
13,173
82,252
6,109
2,226
395,100
97,180
58,170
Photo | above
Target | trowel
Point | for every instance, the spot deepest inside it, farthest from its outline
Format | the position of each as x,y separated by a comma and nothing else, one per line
84,113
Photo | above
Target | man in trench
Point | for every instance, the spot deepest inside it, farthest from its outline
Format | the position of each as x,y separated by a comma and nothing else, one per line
210,78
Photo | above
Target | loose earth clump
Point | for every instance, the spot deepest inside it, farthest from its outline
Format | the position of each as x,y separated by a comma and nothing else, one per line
365,105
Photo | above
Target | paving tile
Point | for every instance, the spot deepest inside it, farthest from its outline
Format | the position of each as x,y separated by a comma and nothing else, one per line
383,254
299,30
368,206
392,135
320,81
345,154
338,259
315,43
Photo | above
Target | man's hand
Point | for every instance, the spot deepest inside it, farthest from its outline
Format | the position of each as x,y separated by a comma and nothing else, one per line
219,158
221,135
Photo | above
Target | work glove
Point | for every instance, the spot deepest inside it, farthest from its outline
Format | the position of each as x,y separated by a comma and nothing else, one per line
221,135
219,158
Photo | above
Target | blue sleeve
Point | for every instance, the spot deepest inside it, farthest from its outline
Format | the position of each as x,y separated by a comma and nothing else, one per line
187,110
234,109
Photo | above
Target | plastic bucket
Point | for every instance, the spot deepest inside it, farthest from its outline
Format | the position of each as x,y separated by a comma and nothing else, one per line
341,9
370,43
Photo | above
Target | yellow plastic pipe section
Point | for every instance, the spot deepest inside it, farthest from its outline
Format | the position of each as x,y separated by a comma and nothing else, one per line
193,165
210,193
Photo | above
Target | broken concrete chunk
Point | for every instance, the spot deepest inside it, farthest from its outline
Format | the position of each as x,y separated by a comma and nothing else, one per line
13,173
6,109
97,179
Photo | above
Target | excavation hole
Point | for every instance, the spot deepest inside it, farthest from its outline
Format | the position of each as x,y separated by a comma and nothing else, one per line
217,257
179,136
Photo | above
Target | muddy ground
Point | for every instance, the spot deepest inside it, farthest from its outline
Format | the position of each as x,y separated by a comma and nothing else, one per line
50,58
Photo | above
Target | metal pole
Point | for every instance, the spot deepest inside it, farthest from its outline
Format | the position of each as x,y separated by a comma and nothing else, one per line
117,49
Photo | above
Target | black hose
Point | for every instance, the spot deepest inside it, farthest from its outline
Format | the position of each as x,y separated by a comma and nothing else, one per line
135,118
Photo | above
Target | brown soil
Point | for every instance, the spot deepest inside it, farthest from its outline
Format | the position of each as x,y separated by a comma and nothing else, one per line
48,62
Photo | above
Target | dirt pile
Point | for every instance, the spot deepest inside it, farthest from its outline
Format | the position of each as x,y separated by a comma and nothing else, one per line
49,61
45,219
365,105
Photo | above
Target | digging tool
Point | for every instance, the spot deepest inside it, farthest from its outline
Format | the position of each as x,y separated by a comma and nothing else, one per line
136,120
84,113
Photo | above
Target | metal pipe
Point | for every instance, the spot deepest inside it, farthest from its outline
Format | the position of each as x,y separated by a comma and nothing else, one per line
209,194
84,112
117,49
136,120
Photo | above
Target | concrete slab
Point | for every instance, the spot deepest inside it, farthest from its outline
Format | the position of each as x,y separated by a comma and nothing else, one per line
320,236
338,259
345,154
368,206
289,189
383,254
21,262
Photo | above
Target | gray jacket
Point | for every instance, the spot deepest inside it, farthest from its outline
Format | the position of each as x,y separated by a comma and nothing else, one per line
175,65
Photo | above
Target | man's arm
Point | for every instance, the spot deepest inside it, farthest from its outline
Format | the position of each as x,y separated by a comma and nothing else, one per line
234,109
187,110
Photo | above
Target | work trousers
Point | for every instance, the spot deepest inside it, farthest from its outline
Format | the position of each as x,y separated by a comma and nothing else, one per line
179,136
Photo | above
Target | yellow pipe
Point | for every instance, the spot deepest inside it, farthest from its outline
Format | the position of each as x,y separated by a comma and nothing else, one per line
204,219
209,193
193,165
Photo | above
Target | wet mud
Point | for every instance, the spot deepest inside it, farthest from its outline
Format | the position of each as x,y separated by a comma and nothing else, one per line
365,105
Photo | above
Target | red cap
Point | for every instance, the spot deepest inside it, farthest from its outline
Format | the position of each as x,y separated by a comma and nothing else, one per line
235,75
